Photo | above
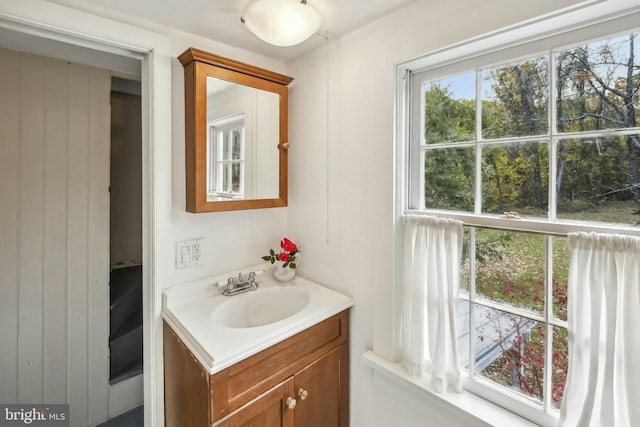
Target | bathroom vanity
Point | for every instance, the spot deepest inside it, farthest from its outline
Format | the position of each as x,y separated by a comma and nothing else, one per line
277,356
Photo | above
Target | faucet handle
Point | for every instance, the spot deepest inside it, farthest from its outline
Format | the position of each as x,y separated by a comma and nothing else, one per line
225,283
253,274
256,273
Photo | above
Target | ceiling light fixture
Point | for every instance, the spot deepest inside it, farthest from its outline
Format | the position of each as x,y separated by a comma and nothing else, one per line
281,22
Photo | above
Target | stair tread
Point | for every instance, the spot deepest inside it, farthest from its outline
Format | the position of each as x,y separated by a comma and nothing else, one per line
131,370
124,281
133,324
126,352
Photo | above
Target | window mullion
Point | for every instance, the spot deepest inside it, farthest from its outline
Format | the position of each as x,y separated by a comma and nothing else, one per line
219,165
553,130
478,152
548,314
552,215
472,298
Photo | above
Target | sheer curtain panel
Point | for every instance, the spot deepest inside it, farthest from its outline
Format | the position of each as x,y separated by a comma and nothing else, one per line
603,383
429,288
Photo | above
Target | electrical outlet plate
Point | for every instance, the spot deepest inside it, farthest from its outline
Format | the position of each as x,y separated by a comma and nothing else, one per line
189,253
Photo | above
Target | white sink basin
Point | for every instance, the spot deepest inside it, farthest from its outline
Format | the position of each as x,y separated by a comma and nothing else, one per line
261,307
221,330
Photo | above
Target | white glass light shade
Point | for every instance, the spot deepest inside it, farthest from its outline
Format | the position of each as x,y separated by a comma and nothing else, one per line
281,22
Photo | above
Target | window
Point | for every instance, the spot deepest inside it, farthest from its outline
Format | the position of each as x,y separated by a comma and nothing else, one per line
226,161
524,145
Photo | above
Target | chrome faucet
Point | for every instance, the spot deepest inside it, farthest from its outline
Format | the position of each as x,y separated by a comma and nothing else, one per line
239,286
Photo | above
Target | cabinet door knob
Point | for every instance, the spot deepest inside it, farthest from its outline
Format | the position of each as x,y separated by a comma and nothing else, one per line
302,394
290,402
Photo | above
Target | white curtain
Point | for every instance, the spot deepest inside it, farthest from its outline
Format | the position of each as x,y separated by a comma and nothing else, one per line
429,288
603,383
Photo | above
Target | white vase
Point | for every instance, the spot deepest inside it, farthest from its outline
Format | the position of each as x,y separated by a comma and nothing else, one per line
285,274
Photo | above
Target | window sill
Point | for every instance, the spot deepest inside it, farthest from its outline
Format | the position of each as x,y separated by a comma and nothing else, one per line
466,402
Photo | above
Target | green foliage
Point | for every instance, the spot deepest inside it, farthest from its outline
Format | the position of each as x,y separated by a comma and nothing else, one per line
449,173
448,176
515,176
597,87
596,170
448,119
521,93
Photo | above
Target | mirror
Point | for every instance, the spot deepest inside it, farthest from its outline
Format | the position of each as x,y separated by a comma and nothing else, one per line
242,136
235,134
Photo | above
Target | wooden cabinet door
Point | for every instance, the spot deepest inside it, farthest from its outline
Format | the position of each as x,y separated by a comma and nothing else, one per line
321,391
267,410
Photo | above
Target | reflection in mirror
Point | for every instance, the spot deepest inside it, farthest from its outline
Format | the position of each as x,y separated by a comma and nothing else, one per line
242,140
236,130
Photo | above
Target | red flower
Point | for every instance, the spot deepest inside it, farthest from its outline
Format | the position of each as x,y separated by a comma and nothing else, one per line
288,245
287,256
283,257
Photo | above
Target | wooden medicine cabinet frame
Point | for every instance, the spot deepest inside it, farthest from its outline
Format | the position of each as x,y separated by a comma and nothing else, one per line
198,65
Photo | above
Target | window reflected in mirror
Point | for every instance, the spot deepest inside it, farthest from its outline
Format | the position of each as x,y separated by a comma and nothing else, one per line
226,160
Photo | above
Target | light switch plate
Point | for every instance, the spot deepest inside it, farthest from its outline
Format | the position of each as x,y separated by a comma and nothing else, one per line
189,253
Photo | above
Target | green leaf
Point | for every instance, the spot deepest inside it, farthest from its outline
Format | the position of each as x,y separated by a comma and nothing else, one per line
272,252
292,265
266,258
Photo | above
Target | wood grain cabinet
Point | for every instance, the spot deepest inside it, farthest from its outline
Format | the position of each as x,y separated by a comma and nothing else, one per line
302,381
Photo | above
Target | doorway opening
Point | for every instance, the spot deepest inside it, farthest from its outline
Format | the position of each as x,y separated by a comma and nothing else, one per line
125,188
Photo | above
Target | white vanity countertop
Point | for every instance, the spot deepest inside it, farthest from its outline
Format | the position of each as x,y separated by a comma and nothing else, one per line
189,310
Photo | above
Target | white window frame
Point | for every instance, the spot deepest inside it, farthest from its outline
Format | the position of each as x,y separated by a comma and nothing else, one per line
495,48
215,163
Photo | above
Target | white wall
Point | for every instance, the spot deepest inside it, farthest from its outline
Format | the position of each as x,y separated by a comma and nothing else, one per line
342,172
